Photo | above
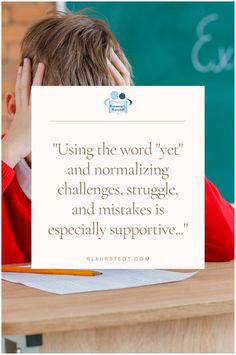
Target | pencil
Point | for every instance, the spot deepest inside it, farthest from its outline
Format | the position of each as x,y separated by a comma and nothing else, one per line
11,268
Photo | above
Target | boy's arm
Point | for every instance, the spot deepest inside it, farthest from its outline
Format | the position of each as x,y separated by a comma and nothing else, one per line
219,226
7,175
16,144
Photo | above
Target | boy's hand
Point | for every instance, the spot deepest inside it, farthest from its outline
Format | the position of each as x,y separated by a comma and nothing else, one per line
118,70
16,145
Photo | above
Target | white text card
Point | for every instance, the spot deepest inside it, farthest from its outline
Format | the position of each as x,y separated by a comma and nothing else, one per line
118,177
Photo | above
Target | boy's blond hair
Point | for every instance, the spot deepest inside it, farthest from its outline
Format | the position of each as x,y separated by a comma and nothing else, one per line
74,49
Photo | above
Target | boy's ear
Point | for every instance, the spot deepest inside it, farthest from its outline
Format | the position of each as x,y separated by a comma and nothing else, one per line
10,105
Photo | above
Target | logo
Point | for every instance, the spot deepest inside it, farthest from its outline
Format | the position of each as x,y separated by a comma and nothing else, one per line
118,103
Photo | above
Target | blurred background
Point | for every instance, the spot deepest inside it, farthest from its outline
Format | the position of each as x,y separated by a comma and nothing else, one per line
167,43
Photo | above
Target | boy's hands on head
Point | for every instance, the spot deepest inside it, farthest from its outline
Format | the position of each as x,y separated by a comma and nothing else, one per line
16,145
118,70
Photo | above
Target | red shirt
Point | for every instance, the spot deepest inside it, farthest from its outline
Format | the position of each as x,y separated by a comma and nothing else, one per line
16,222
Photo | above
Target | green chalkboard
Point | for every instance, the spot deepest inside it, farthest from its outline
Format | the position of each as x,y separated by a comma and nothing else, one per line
183,43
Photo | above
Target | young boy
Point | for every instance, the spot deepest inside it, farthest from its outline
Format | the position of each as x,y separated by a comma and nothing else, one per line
73,49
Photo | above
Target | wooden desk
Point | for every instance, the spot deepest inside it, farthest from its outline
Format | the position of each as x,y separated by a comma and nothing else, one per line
194,315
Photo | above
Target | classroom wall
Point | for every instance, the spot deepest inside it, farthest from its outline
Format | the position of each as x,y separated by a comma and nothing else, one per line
16,18
183,43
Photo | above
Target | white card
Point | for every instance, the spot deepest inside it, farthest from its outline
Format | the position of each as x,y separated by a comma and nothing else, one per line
118,177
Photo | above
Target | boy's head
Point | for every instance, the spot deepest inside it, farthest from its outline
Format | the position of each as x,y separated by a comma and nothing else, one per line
74,49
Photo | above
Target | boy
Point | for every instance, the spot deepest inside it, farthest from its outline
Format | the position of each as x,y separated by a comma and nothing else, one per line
73,49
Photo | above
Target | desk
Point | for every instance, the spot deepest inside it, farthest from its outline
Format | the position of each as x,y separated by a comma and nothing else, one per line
195,315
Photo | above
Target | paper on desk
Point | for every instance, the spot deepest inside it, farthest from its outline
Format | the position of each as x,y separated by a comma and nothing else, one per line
109,280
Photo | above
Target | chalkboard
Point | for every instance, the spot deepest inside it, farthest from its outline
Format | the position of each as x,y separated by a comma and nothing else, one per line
183,43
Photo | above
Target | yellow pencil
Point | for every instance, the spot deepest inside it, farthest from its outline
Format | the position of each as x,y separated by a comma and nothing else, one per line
12,268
